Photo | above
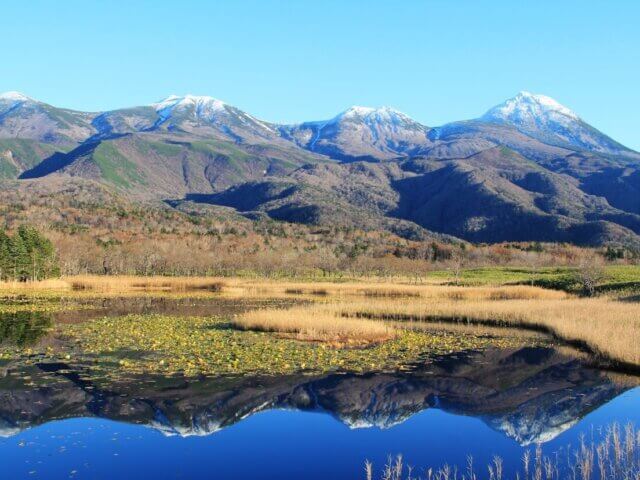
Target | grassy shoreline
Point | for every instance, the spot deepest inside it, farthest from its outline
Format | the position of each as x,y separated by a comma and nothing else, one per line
366,313
616,278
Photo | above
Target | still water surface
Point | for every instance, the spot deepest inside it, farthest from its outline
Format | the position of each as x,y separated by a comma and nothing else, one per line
57,423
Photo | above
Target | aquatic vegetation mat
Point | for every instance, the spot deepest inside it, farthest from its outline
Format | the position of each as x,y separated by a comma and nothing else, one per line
193,346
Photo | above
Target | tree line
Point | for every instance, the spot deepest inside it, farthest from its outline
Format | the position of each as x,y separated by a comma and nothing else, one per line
27,255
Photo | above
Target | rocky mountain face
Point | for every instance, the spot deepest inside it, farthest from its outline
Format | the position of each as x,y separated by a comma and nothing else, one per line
528,169
530,395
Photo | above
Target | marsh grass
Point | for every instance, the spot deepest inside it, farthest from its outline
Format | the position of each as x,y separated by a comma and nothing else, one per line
299,291
613,453
315,323
134,283
327,321
241,286
390,290
479,330
609,328
49,284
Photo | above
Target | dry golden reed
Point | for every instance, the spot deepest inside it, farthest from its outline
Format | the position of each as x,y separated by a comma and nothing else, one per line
134,283
315,323
609,327
386,290
368,289
50,284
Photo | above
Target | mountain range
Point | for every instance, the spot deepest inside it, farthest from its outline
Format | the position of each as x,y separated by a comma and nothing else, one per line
529,169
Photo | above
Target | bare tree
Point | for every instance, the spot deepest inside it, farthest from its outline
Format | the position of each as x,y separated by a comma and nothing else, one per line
590,272
532,260
457,263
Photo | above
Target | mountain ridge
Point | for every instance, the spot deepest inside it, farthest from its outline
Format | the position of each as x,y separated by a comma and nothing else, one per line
512,110
528,169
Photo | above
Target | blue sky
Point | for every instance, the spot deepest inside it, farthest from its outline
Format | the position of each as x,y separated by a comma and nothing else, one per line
290,61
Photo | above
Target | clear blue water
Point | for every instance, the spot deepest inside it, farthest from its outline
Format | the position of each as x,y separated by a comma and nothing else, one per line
303,427
271,444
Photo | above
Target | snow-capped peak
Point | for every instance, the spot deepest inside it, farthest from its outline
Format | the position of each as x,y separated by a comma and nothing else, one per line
525,107
544,119
203,106
357,110
202,109
545,102
14,96
380,114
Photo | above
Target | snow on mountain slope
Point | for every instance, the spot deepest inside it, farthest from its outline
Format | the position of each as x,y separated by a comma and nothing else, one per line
547,120
373,116
13,97
25,118
192,111
202,106
12,101
361,132
525,107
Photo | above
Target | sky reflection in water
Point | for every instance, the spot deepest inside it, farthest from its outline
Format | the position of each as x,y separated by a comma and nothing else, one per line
299,427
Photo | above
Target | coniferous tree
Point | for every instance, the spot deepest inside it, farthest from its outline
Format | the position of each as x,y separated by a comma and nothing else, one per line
27,255
5,256
19,258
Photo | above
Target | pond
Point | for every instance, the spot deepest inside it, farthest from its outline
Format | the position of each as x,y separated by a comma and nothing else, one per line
56,421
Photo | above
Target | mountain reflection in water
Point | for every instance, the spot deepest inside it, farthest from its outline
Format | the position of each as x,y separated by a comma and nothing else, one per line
530,395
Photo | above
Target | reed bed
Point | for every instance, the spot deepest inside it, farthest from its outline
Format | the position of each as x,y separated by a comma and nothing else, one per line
477,329
244,287
134,283
393,290
608,327
315,323
50,284
612,454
